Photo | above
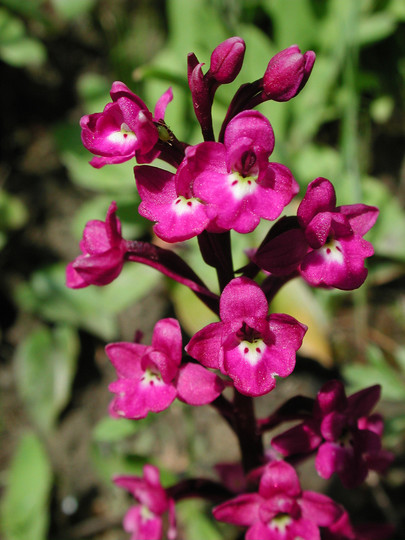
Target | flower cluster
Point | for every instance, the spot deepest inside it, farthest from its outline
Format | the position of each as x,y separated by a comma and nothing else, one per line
222,184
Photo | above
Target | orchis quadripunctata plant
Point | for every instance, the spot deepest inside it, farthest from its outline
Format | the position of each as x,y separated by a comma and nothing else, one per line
218,185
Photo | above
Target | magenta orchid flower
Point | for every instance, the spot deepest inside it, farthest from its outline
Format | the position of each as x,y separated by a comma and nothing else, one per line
169,200
103,250
125,129
347,438
280,510
248,345
236,178
145,520
287,73
150,377
335,236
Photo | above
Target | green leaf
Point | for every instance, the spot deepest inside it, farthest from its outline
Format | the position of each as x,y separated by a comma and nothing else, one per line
197,524
24,510
387,234
376,27
45,364
25,52
110,178
134,225
16,47
291,21
109,461
46,295
13,213
94,91
377,371
92,308
69,9
115,429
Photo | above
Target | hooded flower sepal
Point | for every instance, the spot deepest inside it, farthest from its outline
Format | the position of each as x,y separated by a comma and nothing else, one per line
125,129
280,510
145,520
103,251
248,345
150,377
344,434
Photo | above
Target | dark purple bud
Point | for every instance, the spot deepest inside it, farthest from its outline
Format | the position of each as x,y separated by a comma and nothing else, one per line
227,59
287,73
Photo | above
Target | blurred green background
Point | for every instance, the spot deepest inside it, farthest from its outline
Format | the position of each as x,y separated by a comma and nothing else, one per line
58,58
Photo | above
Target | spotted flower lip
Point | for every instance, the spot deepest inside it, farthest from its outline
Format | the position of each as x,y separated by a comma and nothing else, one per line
145,519
150,377
124,129
103,250
345,435
280,510
334,234
236,179
248,345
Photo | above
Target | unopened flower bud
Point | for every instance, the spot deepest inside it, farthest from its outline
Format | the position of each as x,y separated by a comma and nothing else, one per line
227,59
287,73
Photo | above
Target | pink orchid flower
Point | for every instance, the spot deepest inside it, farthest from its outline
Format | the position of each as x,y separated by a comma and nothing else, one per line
335,237
124,129
248,345
280,510
103,250
145,520
347,438
236,179
169,200
150,377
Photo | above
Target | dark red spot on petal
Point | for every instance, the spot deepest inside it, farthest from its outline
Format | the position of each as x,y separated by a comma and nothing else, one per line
234,183
125,135
258,350
177,202
338,248
189,203
246,350
328,251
